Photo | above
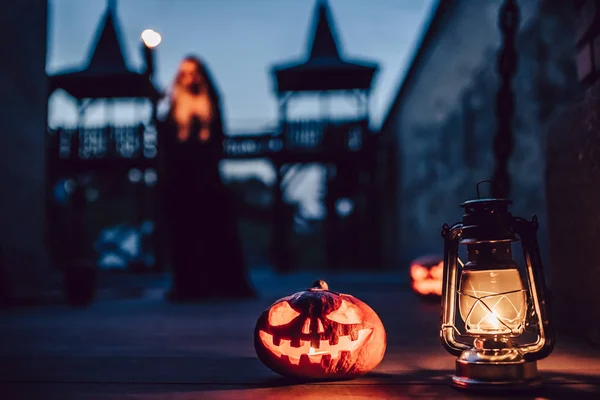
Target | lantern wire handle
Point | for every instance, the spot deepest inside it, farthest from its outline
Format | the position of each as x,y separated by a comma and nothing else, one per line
479,183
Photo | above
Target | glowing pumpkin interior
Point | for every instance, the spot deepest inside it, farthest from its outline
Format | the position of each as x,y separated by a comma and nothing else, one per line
311,345
427,278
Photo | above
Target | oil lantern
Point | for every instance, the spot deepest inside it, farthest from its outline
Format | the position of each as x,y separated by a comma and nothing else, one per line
494,313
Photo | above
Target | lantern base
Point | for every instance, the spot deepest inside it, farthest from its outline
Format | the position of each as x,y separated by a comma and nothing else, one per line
494,364
517,375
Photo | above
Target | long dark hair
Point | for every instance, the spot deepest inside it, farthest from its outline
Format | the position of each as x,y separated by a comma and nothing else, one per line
211,88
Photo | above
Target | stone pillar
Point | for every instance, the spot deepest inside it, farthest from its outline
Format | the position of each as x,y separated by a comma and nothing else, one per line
573,193
23,124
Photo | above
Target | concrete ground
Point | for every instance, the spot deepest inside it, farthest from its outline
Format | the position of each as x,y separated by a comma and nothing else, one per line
145,348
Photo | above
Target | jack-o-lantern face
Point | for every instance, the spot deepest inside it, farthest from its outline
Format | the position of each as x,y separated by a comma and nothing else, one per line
320,334
426,276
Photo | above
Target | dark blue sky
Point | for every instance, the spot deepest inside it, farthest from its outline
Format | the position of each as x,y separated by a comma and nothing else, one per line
239,40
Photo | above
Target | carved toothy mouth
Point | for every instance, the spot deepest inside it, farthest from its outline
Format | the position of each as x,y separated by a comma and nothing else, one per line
428,286
321,354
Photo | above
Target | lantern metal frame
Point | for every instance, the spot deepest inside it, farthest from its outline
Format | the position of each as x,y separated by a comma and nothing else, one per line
495,361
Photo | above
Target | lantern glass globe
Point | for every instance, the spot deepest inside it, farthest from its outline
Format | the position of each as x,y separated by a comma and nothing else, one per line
492,302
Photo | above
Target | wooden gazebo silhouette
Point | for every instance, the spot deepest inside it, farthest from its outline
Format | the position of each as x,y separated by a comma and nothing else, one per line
324,69
106,77
346,145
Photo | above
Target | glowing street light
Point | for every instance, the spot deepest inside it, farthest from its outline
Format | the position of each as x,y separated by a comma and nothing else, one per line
151,38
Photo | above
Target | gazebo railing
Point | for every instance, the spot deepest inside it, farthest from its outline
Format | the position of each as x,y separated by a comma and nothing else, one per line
140,141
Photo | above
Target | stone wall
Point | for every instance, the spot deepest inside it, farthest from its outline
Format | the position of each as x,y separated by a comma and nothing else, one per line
444,121
573,192
23,105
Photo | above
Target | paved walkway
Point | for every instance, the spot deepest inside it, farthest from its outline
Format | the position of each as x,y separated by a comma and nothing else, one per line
145,348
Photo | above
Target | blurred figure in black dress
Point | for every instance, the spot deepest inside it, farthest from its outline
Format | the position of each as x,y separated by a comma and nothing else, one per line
199,211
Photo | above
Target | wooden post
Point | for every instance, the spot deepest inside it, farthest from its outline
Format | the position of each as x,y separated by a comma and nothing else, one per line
372,222
80,274
159,242
331,217
279,225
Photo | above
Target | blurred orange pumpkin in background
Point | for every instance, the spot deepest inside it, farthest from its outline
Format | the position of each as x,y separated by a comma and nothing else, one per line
426,276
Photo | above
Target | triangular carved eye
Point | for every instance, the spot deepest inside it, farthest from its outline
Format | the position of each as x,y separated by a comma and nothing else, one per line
346,314
418,272
437,271
282,314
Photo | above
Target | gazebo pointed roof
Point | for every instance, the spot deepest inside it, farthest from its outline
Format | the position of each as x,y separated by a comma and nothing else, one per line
324,69
107,54
323,40
106,74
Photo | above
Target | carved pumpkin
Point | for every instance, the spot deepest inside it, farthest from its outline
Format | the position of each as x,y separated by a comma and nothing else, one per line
318,334
426,276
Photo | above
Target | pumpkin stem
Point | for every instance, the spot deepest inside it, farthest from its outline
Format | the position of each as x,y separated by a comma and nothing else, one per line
320,284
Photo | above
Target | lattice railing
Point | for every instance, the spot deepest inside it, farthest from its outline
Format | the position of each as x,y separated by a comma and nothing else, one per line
140,141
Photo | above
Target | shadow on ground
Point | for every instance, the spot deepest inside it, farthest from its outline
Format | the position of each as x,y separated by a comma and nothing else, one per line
422,383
